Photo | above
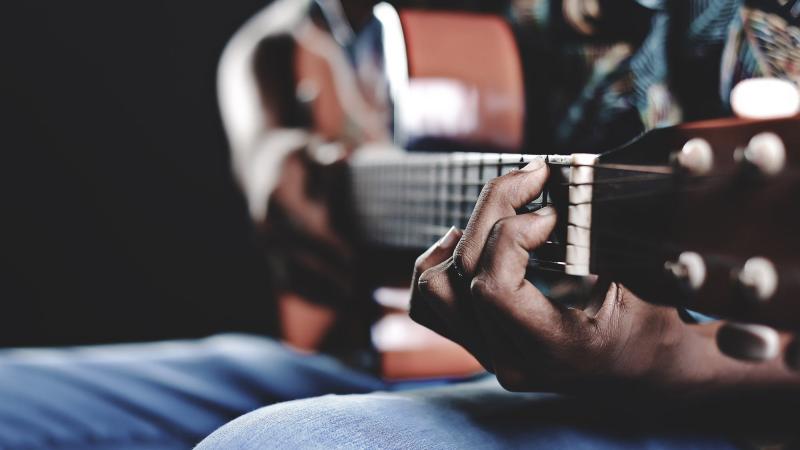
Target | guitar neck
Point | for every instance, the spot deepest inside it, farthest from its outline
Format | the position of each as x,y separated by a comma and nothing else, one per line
409,200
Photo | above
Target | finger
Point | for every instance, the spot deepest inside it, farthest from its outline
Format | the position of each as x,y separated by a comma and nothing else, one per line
443,293
500,198
438,291
510,309
424,298
437,253
426,316
500,283
507,250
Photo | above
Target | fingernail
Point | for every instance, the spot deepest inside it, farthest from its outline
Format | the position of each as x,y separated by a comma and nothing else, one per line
536,164
450,238
546,211
748,342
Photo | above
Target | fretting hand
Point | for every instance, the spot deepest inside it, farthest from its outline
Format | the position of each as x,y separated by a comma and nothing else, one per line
471,288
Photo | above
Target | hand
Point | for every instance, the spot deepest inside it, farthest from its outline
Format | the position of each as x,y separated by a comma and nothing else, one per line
471,288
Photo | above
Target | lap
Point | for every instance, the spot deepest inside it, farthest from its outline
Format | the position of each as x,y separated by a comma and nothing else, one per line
472,415
152,396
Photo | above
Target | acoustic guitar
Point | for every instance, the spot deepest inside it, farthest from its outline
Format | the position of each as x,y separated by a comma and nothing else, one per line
700,215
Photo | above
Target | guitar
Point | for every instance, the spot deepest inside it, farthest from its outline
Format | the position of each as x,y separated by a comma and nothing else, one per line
698,216
701,215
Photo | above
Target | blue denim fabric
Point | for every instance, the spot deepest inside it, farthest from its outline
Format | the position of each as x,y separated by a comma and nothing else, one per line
166,396
159,396
471,415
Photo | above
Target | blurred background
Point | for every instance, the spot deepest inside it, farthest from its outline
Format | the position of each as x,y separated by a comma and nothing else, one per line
120,217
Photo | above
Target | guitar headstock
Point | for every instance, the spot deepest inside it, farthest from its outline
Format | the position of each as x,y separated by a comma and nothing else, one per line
705,215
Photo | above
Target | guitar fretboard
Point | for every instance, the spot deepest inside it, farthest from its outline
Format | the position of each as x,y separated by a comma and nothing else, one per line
409,200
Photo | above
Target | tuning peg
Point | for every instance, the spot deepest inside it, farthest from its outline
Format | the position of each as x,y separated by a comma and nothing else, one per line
689,269
696,157
748,342
757,279
765,152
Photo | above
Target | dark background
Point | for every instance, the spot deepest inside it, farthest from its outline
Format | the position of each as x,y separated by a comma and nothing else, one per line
120,218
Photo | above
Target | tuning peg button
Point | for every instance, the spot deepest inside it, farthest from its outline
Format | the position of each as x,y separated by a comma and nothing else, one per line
765,152
696,157
689,269
758,279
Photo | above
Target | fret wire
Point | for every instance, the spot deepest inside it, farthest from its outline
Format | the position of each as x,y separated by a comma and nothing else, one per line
467,163
462,204
450,189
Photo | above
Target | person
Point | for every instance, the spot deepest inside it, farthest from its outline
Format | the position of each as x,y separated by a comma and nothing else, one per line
634,375
644,378
170,395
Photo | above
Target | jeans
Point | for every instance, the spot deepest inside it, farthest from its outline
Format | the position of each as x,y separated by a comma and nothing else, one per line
161,396
471,415
170,395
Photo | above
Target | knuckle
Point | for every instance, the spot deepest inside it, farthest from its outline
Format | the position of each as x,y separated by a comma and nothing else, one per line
461,262
483,287
487,287
428,283
494,187
504,229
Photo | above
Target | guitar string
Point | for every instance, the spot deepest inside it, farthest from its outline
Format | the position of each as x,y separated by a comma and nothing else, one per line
465,199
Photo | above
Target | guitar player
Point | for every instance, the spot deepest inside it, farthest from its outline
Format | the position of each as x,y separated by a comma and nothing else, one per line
628,367
610,83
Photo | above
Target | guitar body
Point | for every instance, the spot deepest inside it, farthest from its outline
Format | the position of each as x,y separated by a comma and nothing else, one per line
441,92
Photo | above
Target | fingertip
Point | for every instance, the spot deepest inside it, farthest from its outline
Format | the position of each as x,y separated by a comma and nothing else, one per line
534,165
450,239
439,251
